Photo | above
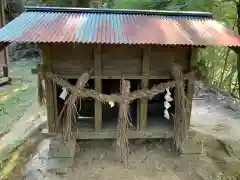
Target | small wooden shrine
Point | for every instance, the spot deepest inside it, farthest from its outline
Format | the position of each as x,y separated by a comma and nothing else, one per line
110,73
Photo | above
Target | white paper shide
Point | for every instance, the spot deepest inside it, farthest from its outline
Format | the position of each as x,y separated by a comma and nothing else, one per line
111,103
167,105
64,94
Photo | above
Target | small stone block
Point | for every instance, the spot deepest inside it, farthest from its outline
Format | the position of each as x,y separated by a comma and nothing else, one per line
61,149
57,163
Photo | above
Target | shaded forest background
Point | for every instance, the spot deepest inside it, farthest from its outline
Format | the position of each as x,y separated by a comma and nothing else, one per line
219,64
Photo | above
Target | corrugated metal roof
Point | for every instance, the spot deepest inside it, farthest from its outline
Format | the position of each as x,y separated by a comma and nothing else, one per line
117,27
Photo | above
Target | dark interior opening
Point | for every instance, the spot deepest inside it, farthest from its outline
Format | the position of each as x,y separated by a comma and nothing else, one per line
85,107
110,114
155,114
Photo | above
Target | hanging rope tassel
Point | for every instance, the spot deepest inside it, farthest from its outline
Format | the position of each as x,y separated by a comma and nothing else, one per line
123,124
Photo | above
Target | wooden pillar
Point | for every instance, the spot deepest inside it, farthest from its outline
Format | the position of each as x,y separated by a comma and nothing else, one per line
193,52
5,71
3,23
138,110
145,74
51,94
180,130
98,86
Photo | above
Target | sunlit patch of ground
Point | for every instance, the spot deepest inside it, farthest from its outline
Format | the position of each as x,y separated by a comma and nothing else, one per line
17,97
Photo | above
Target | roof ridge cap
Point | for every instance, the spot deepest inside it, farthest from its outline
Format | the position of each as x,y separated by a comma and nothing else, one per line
118,11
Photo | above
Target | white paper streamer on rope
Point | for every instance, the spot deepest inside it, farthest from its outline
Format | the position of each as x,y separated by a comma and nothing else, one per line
166,114
167,105
168,97
111,103
64,94
168,91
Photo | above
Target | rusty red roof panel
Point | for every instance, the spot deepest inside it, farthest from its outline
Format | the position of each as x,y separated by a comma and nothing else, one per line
117,28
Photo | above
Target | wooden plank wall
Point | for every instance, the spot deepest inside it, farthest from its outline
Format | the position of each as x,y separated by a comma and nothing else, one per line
121,60
115,61
162,58
71,60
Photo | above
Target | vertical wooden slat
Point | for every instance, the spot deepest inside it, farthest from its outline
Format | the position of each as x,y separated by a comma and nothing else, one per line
51,96
55,103
145,73
98,86
138,110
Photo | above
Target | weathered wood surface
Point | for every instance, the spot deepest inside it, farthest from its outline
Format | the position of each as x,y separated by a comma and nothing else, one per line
51,95
123,124
160,132
145,72
117,60
98,86
162,58
110,62
192,62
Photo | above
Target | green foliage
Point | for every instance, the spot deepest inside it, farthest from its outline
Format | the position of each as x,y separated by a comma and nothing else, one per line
143,4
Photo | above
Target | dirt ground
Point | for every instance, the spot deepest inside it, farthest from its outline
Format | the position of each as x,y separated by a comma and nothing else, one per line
213,125
153,159
19,95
